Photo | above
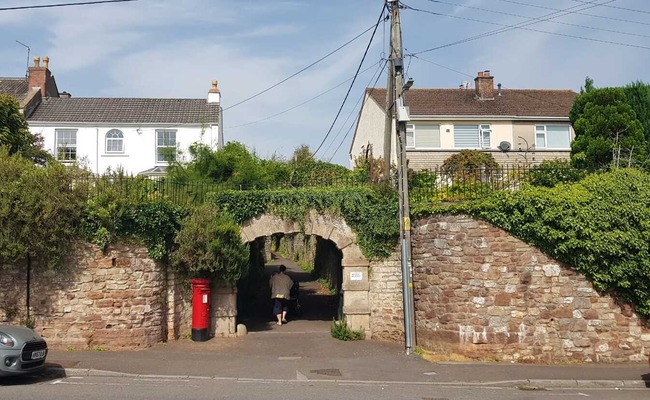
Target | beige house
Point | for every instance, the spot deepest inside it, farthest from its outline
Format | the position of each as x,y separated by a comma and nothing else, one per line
516,126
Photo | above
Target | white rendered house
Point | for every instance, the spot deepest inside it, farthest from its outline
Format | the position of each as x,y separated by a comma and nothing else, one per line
135,135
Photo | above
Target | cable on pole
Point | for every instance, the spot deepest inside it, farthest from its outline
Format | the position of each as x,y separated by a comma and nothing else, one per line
84,3
381,16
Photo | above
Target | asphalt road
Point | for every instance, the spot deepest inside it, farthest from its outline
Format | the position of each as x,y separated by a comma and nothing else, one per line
163,388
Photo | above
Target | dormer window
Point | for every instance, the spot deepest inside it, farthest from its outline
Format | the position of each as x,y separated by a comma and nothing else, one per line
114,141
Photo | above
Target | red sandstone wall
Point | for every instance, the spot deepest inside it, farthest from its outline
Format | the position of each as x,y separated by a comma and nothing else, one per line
485,294
108,301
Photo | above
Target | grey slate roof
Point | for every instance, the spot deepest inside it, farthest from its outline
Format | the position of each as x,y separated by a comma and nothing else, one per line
16,87
126,110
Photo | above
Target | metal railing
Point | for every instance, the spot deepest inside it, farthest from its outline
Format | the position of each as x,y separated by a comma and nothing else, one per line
438,184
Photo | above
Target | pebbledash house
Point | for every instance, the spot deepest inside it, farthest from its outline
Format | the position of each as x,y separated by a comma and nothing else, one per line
134,135
516,126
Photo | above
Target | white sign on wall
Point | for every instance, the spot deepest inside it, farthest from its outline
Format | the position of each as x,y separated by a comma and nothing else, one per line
356,276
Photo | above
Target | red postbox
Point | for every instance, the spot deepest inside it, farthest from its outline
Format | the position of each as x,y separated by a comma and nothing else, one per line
200,309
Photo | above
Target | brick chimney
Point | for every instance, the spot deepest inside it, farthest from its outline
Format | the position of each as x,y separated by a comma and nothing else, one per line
484,85
214,95
40,77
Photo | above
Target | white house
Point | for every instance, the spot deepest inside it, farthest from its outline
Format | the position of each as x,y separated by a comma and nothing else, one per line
136,135
514,125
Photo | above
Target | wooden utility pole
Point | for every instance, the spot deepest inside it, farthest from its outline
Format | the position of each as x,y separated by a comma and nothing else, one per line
397,116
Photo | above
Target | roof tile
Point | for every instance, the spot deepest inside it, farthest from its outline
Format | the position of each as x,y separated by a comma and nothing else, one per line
463,102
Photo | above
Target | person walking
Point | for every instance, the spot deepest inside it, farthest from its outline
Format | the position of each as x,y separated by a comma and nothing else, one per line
281,285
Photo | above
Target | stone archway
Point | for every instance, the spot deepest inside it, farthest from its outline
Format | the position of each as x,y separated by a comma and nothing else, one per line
356,285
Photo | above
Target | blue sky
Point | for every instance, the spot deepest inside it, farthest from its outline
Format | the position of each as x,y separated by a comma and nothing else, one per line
172,48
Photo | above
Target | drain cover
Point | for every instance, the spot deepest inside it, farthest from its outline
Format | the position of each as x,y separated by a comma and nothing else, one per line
328,372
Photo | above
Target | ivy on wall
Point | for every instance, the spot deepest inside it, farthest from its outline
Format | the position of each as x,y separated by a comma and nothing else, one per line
371,213
600,226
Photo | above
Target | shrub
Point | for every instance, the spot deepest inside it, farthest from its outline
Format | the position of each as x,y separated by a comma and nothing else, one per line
552,172
340,330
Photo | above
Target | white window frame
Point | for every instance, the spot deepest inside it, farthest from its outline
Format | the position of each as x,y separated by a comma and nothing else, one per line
412,131
114,137
541,132
160,159
483,131
65,148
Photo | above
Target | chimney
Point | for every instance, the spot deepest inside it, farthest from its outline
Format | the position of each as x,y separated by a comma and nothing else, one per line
484,85
40,77
214,95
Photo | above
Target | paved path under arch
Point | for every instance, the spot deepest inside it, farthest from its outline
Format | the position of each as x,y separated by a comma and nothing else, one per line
317,306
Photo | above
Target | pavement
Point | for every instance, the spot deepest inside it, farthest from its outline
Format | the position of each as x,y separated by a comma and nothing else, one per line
304,350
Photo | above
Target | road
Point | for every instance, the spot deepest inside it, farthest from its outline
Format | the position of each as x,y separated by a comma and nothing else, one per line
163,388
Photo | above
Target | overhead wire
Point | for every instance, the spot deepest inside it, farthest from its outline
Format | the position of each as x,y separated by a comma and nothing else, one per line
549,16
84,3
533,18
365,98
577,13
530,29
616,7
378,71
301,104
365,53
302,70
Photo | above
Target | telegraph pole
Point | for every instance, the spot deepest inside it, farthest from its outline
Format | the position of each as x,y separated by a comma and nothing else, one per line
397,116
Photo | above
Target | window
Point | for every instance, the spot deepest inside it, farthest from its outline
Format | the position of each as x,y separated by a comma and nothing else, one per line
66,144
114,141
552,137
165,145
423,136
472,136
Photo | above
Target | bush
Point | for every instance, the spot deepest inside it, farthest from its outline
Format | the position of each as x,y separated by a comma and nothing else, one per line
341,331
209,246
469,166
552,172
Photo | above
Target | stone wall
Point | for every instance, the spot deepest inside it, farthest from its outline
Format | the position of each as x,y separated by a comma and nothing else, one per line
485,294
386,304
113,300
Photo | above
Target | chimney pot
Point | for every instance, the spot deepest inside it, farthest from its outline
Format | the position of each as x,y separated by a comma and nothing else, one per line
214,88
46,61
37,62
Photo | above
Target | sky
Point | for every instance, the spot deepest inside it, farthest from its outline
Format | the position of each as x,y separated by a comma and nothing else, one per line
175,48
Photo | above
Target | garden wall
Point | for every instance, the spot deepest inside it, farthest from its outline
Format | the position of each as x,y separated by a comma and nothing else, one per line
121,299
482,293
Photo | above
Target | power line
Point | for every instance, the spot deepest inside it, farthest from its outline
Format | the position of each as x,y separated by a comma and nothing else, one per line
440,65
529,29
301,104
534,18
302,70
381,16
617,7
577,13
365,98
570,10
378,71
85,3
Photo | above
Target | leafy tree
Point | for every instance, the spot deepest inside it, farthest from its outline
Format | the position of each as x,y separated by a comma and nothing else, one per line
637,95
607,130
15,134
209,246
40,208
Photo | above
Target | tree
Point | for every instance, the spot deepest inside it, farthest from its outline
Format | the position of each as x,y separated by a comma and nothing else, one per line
607,130
209,246
40,208
637,95
15,134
